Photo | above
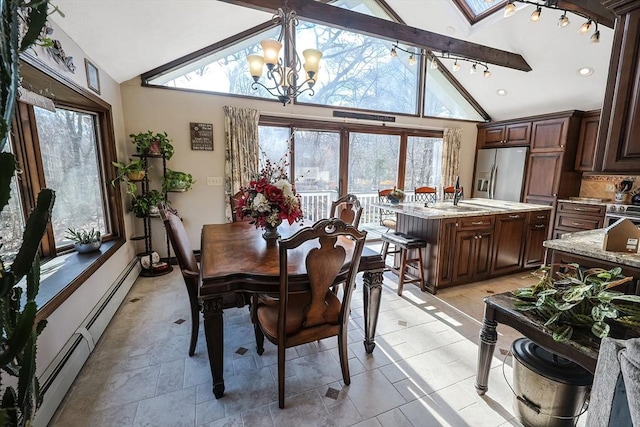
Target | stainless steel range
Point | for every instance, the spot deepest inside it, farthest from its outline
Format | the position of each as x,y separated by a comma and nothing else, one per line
617,211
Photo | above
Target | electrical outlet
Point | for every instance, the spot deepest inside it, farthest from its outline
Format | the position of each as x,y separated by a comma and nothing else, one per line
609,188
214,180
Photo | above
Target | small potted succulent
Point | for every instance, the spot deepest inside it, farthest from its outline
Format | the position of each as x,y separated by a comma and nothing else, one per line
84,241
155,144
146,204
177,181
129,173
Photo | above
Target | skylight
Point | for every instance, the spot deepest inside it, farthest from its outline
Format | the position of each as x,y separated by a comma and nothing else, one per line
475,10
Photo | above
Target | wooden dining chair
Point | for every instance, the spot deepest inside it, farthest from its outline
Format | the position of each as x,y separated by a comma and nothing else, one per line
348,209
299,318
235,201
425,194
188,266
387,217
448,192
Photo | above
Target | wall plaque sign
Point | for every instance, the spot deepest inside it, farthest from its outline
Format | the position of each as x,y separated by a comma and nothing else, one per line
201,136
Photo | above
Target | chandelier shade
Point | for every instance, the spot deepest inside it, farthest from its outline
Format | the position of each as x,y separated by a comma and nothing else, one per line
287,77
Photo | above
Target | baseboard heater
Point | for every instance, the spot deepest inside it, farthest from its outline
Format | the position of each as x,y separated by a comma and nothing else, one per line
57,378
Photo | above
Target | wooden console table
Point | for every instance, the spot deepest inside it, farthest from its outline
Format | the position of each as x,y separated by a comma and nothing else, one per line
499,308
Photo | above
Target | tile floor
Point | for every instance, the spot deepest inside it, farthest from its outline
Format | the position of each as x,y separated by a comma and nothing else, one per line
421,373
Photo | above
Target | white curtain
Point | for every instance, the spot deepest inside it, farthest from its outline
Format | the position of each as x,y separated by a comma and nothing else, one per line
451,141
241,151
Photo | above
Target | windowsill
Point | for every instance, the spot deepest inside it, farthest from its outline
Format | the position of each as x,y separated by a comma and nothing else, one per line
62,275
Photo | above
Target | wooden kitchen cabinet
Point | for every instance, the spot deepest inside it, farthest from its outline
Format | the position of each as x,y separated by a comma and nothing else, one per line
504,134
585,156
618,146
508,249
550,134
447,244
572,217
536,232
473,249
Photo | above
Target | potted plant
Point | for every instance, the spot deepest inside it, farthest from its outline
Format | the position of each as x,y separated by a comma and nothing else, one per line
129,173
146,204
84,241
177,181
396,196
150,143
580,298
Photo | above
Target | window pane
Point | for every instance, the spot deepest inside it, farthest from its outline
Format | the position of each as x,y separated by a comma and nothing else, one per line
442,99
69,150
11,222
479,6
424,158
317,160
358,71
274,144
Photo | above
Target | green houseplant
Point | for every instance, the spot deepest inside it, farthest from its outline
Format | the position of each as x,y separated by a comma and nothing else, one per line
177,181
580,298
150,143
21,26
146,204
129,173
84,240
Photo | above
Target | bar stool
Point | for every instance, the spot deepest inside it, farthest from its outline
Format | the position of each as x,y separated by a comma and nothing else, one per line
404,243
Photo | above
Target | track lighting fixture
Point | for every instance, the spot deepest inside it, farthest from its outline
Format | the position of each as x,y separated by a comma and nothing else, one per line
509,9
433,57
563,21
535,16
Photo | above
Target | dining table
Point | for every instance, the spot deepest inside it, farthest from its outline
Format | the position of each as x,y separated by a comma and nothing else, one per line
236,262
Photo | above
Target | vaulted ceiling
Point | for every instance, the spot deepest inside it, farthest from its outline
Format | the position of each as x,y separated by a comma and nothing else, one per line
126,38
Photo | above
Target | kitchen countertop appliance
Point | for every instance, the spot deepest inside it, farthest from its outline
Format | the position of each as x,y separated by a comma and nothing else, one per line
500,173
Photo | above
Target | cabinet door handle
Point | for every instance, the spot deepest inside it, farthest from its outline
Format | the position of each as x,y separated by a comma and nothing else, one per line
475,237
577,224
514,216
541,216
578,209
477,222
555,194
538,226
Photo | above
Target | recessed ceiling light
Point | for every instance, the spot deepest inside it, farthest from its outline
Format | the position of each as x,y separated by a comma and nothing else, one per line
585,71
501,92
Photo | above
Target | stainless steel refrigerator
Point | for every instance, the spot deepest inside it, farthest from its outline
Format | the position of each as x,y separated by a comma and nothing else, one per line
500,173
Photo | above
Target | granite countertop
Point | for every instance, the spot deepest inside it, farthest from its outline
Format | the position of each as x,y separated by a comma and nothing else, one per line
589,244
586,201
467,207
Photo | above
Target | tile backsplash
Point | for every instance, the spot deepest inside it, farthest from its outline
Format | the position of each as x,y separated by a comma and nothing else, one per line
602,186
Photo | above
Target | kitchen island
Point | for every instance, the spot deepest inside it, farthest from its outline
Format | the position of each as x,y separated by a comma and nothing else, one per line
475,240
585,248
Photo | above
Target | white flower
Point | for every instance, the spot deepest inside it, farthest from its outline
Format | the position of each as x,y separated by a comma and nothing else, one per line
285,187
260,203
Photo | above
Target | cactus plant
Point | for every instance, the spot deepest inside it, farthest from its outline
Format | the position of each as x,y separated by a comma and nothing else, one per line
19,331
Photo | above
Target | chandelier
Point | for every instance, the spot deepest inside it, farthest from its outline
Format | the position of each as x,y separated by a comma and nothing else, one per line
284,78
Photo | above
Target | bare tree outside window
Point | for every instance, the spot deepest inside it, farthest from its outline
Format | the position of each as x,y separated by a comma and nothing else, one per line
11,220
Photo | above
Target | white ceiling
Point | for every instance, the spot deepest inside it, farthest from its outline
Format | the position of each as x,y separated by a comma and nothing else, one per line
126,38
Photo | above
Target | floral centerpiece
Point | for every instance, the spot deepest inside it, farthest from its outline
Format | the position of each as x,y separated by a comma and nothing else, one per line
270,198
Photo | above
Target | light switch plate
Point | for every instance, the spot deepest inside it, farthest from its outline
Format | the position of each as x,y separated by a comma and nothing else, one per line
214,180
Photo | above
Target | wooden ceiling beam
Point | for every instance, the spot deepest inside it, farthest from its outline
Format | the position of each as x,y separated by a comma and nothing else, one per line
324,14
592,8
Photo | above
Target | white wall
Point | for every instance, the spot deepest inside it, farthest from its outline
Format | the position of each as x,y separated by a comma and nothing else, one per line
65,320
171,111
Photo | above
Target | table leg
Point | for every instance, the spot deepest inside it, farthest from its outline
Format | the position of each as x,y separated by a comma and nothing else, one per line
488,339
372,293
214,335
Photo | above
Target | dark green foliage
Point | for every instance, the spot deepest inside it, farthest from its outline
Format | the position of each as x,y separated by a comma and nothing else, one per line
580,298
19,333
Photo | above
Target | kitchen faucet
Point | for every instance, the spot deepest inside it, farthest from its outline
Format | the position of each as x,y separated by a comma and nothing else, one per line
457,192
